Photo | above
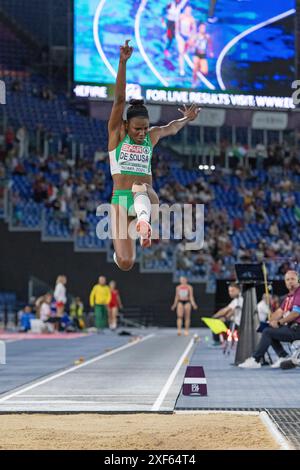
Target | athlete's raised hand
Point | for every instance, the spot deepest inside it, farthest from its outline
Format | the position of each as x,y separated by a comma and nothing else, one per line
126,51
190,112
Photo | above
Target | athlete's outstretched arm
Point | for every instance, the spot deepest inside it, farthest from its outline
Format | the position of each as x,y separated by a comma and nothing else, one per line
116,116
158,132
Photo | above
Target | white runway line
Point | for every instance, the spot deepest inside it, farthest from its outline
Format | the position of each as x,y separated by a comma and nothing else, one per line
75,408
65,402
277,435
87,396
166,387
71,369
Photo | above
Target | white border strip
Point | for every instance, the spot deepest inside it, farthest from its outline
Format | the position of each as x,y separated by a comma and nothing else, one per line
88,396
274,431
242,35
97,40
207,412
158,402
140,45
65,372
195,380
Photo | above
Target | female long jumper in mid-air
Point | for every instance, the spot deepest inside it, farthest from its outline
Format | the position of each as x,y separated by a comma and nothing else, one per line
130,146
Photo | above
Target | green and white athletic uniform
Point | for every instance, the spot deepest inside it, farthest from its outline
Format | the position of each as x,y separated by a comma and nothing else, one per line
130,158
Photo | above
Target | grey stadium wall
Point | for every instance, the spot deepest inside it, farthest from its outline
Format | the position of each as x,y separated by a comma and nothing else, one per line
23,255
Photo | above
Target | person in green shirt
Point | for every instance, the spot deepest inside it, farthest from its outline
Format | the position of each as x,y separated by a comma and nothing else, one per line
100,297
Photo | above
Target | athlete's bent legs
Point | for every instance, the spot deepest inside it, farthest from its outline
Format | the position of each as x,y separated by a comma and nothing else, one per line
142,203
124,245
146,204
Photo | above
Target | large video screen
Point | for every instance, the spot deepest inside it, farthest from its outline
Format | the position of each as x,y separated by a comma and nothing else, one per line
203,47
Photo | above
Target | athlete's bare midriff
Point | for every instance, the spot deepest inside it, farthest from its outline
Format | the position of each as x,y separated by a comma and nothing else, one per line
126,181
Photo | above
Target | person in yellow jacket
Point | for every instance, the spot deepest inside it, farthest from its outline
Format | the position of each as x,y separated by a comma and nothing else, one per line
100,297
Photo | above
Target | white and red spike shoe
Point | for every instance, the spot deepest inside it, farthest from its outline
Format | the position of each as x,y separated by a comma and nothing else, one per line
144,231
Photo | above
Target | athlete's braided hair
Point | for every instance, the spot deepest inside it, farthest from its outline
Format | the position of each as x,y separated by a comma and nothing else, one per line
137,109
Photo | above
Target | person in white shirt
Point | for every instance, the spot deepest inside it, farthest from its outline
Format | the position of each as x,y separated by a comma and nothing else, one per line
45,309
263,309
60,295
23,139
233,311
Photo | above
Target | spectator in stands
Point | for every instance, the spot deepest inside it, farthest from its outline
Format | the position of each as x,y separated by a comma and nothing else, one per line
114,305
23,140
100,156
40,133
261,155
66,139
47,94
283,268
16,86
232,313
45,309
100,298
45,314
40,189
18,167
60,295
25,316
9,139
284,326
37,305
274,230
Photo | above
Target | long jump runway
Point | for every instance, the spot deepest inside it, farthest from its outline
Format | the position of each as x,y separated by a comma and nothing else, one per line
140,373
129,375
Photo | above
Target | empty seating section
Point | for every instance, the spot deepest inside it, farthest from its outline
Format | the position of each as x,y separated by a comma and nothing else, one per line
33,16
12,52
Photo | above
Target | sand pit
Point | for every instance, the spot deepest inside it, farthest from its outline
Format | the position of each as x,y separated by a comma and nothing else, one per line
134,432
